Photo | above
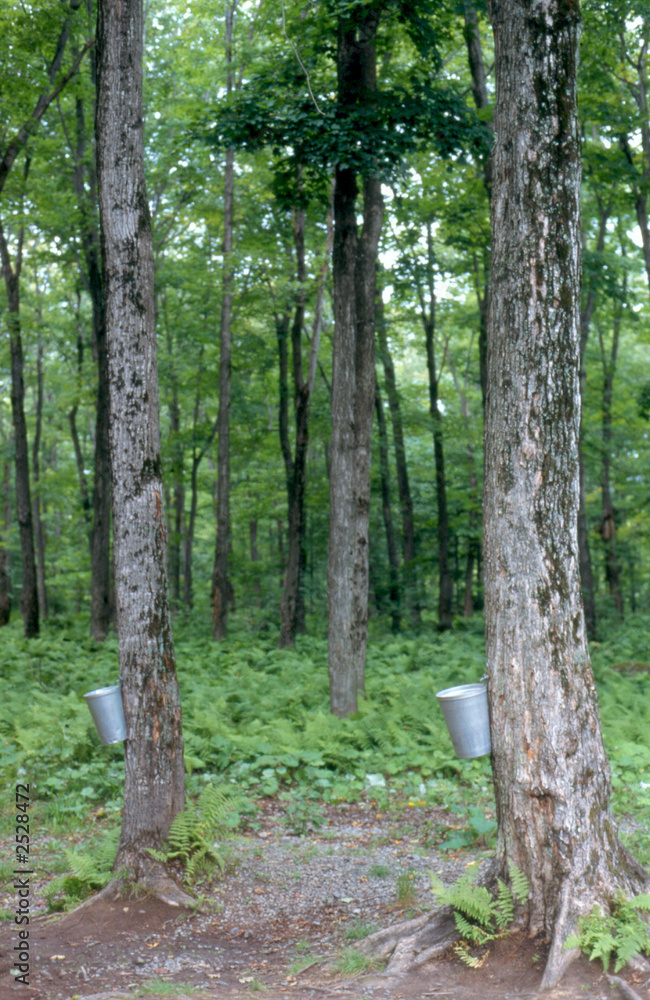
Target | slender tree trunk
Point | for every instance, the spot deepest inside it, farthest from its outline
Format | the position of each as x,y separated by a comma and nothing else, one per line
391,546
608,520
29,592
154,787
5,558
482,101
292,604
39,535
220,583
353,386
552,778
410,584
445,578
85,184
586,569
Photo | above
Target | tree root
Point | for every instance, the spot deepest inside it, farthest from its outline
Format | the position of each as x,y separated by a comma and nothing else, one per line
560,958
155,883
413,942
623,988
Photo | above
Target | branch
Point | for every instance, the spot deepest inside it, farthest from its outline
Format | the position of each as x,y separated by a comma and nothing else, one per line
42,105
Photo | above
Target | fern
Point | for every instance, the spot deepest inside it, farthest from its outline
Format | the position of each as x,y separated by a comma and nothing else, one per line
197,834
480,916
615,936
87,873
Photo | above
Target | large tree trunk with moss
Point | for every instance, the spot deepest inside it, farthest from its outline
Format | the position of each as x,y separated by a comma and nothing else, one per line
154,769
551,774
353,385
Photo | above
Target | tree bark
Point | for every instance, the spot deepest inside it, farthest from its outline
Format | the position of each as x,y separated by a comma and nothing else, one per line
353,385
220,583
551,774
154,786
5,557
39,534
292,604
445,578
586,569
394,594
608,518
29,592
90,266
410,581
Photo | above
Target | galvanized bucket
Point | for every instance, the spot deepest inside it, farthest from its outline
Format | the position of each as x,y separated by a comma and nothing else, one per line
106,708
465,709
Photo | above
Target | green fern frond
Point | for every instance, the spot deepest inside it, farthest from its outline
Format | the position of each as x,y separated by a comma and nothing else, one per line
197,833
519,884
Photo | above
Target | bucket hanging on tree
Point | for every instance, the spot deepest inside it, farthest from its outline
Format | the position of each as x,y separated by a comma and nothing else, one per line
106,708
465,709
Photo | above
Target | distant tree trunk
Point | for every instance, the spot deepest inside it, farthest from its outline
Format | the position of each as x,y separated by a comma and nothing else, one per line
154,786
220,583
586,569
391,546
5,559
29,592
39,535
445,578
353,384
90,266
608,520
178,505
254,553
292,604
482,102
410,582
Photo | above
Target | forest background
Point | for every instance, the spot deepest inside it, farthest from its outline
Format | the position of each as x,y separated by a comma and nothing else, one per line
253,90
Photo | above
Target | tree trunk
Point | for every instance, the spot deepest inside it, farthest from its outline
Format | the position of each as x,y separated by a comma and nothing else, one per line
5,558
90,266
586,569
154,786
29,592
410,582
292,604
482,102
353,386
220,583
445,579
391,546
551,774
608,519
39,535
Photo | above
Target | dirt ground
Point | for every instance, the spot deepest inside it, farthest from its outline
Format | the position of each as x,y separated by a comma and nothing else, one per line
281,919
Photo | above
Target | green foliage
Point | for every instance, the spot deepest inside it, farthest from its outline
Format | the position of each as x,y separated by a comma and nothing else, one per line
615,936
481,916
198,835
88,871
479,832
302,813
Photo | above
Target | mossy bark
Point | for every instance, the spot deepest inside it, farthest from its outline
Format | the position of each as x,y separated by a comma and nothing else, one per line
154,768
551,773
353,384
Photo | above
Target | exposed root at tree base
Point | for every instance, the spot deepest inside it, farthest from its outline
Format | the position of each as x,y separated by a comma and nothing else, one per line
623,988
154,883
412,942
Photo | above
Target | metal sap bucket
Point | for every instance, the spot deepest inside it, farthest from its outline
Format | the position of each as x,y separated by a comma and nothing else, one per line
106,708
465,709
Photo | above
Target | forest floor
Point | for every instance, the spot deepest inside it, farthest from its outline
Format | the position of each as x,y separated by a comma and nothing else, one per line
282,923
